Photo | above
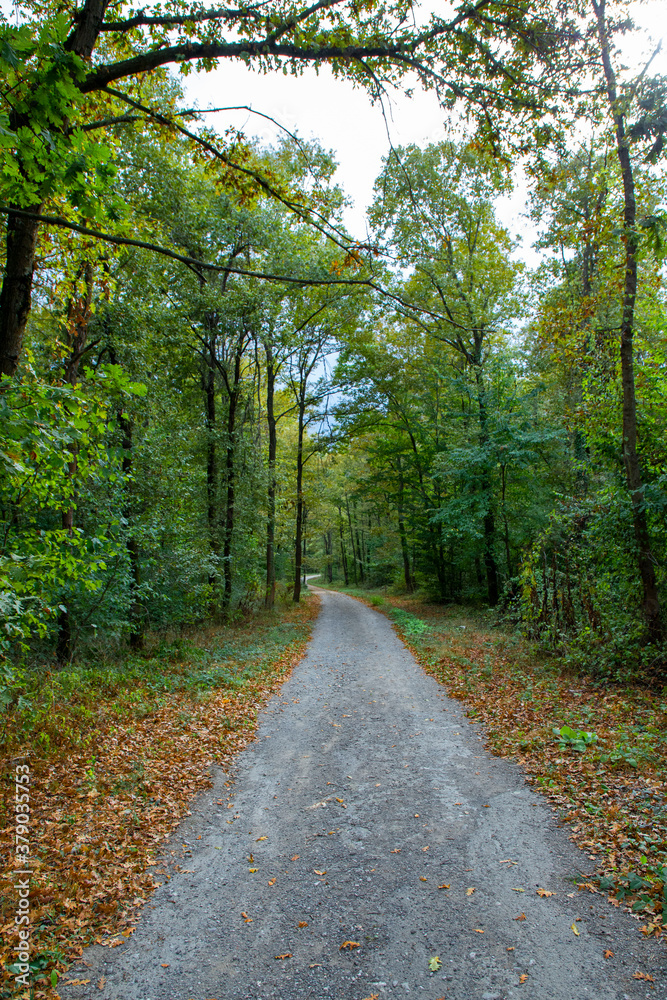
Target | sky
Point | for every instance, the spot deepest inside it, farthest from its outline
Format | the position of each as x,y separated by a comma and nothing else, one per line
343,119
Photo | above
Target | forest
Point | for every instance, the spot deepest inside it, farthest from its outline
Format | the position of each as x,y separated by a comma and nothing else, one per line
210,390
210,387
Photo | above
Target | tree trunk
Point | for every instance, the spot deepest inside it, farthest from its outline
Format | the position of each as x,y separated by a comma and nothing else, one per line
296,596
402,534
343,553
646,560
489,517
78,317
208,386
270,594
16,294
230,475
132,545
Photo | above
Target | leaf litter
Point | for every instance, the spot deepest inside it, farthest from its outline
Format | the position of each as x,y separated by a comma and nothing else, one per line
108,790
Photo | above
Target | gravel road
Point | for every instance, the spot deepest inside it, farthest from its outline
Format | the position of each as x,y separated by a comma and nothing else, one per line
365,833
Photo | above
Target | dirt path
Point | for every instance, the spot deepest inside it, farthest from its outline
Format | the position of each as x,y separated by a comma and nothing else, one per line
368,812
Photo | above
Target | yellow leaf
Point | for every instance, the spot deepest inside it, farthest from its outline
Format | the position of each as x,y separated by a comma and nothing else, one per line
521,917
422,878
574,929
469,892
518,890
445,885
253,869
317,872
261,838
523,977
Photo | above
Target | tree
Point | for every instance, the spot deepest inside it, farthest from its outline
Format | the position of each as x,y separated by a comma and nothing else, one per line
434,206
63,72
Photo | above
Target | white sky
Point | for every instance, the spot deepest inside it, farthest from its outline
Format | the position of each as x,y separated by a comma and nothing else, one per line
344,121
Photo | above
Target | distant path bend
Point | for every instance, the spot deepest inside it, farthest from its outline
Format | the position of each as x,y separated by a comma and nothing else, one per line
375,817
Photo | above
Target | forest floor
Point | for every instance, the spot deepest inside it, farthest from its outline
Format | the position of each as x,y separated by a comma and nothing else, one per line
366,846
611,790
117,751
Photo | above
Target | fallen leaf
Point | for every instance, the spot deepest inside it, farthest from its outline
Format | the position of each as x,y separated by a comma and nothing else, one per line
129,932
434,963
349,945
78,982
373,996
295,857
319,872
522,916
272,881
643,975
574,929
416,815
422,878
101,982
544,893
261,838
425,848
302,923
253,869
470,891
478,930
508,861
510,949
518,890
245,916
279,958
396,850
608,953
445,885
523,977
165,965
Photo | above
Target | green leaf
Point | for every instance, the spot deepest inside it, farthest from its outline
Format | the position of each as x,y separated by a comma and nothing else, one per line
434,963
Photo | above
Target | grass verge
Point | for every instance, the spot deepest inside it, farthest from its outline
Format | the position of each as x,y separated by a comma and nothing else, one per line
598,752
116,752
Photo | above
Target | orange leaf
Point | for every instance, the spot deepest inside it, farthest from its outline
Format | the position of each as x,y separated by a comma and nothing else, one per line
302,923
608,953
272,881
478,930
521,917
288,954
444,886
544,893
523,977
349,945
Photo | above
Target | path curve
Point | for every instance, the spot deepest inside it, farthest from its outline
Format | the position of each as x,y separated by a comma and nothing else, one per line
374,816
